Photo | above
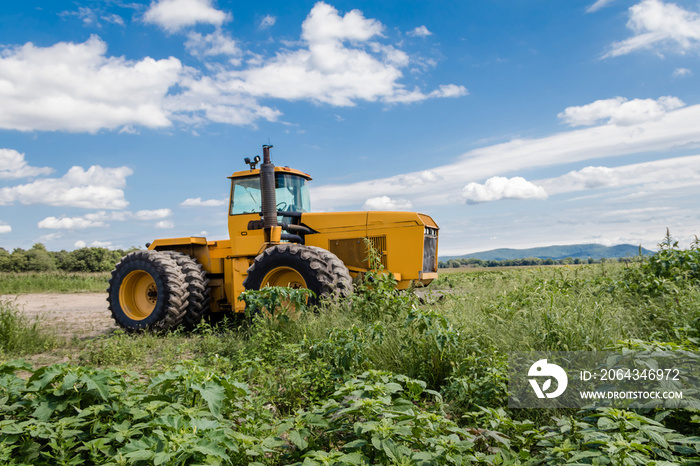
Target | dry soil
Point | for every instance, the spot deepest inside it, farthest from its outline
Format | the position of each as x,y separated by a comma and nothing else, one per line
68,314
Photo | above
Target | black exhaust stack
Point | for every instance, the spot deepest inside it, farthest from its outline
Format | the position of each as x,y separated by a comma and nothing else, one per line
267,187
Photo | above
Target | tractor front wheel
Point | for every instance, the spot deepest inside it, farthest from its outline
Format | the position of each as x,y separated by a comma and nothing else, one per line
147,290
297,266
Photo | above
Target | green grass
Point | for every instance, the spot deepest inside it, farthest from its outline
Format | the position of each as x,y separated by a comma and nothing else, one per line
379,378
20,335
52,282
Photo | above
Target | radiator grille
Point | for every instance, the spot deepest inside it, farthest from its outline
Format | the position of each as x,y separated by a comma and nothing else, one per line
353,251
430,253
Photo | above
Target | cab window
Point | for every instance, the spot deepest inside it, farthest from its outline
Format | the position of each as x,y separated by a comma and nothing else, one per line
292,192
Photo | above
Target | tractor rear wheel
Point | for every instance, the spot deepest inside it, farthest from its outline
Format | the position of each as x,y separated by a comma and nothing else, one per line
298,266
147,290
197,286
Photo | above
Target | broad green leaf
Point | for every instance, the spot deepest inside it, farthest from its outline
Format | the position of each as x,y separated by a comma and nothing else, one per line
45,375
213,394
140,455
97,383
354,445
297,439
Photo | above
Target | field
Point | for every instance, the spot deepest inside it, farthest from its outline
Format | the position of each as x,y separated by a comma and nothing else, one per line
382,378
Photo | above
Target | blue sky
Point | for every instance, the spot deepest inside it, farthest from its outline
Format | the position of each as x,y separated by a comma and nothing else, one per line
514,124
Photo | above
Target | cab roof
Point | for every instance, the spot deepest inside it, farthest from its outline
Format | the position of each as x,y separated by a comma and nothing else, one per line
256,171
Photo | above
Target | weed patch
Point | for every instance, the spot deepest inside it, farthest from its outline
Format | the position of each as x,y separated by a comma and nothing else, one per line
19,334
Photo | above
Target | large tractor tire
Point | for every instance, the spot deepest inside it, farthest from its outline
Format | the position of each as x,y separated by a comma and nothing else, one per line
298,266
147,291
197,286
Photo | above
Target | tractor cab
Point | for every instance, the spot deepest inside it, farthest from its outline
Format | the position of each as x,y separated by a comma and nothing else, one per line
291,192
247,204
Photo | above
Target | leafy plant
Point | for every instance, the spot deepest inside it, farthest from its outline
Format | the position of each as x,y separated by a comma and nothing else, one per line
276,303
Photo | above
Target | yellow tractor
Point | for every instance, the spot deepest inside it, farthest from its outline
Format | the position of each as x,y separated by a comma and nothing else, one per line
274,240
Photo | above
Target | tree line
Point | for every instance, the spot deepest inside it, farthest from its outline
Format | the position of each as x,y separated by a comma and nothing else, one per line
472,262
39,259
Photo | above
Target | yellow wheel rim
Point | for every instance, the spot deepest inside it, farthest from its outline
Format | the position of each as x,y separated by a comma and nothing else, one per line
284,276
138,295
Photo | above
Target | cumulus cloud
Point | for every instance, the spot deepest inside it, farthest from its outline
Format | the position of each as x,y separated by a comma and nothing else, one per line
100,219
153,214
5,228
340,64
80,244
591,177
75,87
420,31
94,188
13,165
164,224
267,21
654,176
659,26
340,61
498,187
198,202
214,44
677,130
101,244
174,15
620,111
94,16
387,203
682,73
69,223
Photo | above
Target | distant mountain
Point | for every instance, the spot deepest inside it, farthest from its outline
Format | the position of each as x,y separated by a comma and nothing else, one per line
580,251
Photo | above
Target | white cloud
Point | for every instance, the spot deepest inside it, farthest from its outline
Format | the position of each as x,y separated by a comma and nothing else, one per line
655,176
420,31
598,5
13,165
677,130
94,188
99,219
68,223
101,244
80,244
75,87
5,228
152,214
198,202
498,187
386,203
94,17
216,43
658,26
267,21
173,15
682,73
335,67
165,224
591,177
620,111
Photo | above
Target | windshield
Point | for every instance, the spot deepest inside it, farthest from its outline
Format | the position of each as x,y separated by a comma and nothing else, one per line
292,193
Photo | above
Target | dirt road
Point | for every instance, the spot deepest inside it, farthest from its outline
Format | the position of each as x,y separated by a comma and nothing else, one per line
68,314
